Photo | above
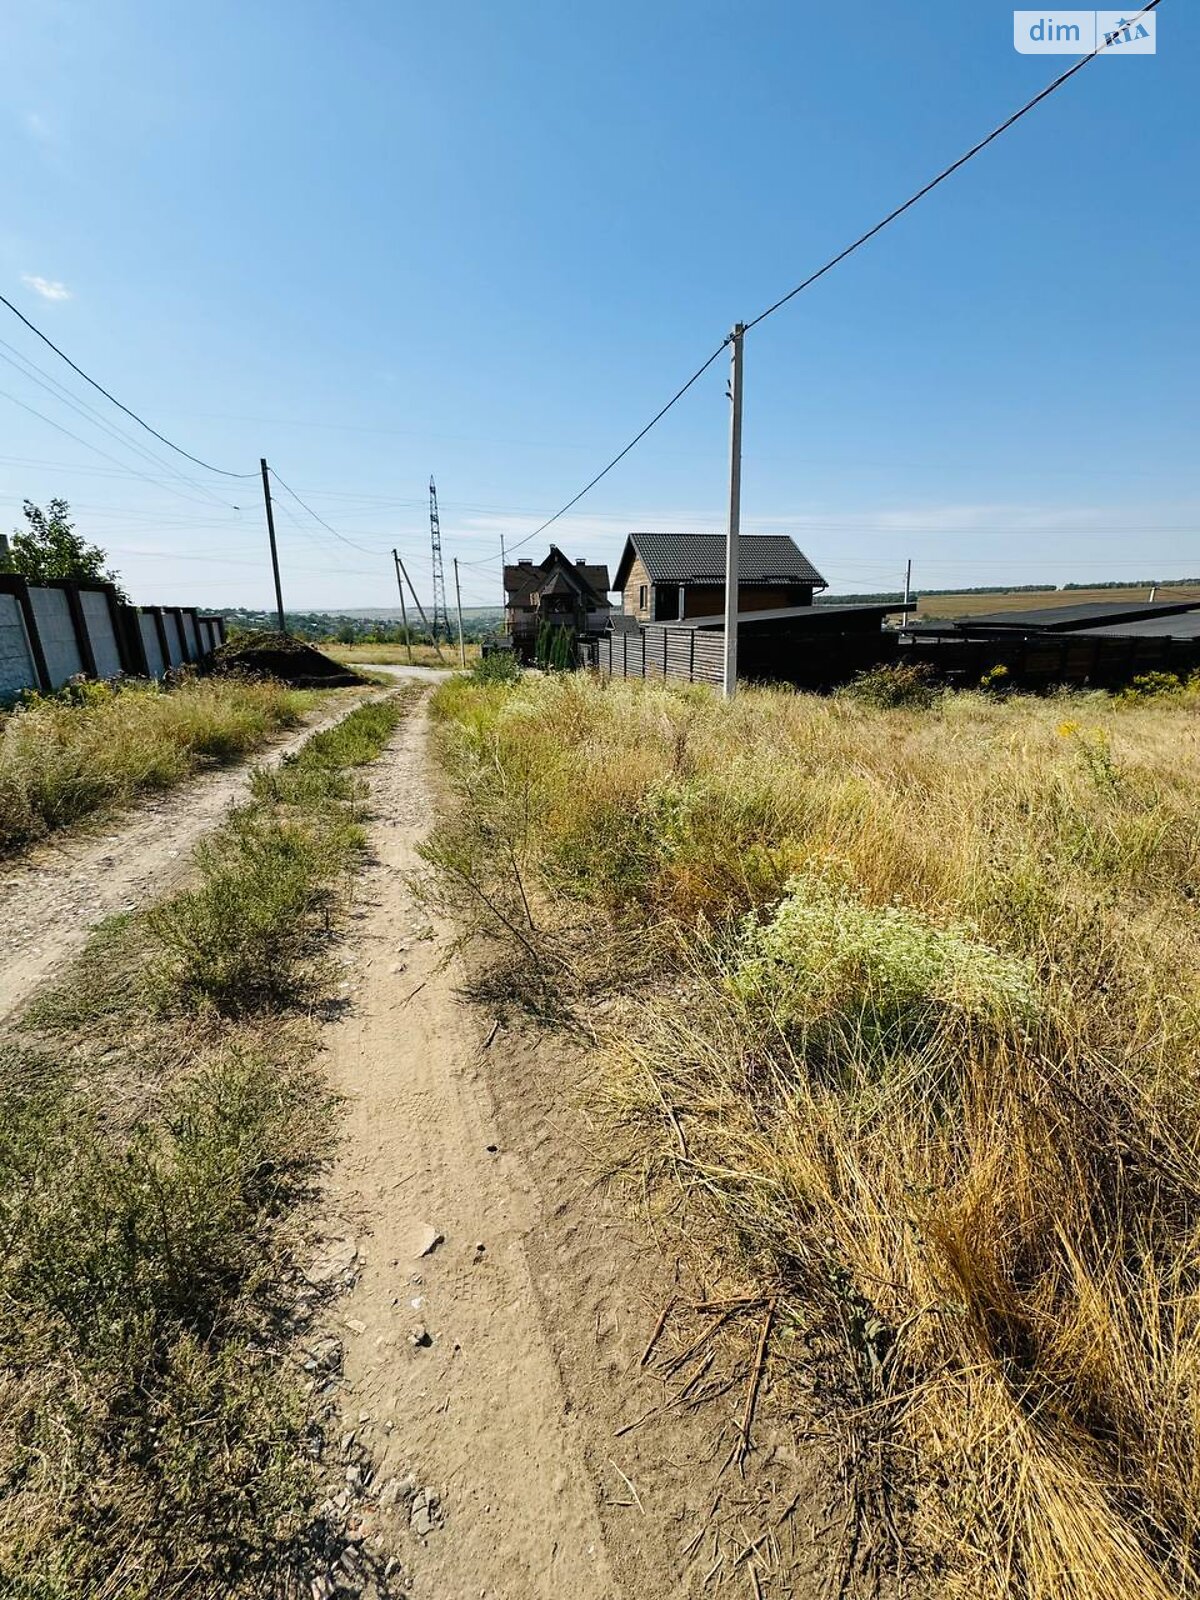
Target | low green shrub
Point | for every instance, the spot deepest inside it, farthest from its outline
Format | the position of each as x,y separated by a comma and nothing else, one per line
826,968
500,666
889,688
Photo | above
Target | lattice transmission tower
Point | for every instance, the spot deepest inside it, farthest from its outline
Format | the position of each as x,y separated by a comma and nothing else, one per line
441,616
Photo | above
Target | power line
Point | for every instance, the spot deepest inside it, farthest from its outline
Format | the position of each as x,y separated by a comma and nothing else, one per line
637,439
63,395
360,547
834,261
88,445
99,387
928,188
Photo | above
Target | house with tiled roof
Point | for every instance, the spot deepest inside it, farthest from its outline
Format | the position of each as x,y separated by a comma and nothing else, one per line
555,593
667,577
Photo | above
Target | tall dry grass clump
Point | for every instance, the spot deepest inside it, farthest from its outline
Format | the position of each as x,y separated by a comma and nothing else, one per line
64,758
923,1064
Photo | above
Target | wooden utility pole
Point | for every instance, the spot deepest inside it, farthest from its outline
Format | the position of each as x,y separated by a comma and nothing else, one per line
403,609
420,607
462,649
907,591
271,535
733,534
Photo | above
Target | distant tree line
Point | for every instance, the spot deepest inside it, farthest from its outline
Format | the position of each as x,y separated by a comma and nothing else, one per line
338,628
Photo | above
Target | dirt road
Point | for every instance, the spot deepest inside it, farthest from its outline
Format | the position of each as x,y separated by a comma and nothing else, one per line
53,894
494,1337
502,1302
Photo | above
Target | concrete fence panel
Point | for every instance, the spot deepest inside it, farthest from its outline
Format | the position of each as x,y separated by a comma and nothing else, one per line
151,648
18,669
56,630
52,632
176,654
102,635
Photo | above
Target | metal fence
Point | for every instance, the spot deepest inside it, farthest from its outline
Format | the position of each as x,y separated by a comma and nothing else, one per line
52,632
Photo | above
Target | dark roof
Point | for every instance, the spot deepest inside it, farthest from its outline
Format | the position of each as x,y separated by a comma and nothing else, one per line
618,622
806,616
700,558
523,577
1185,625
1065,619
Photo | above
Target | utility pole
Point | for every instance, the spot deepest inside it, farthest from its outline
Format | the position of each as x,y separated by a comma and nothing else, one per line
420,607
462,649
503,569
403,609
271,535
907,592
735,512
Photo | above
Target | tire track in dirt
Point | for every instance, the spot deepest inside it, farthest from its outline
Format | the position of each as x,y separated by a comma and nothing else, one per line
52,895
500,1367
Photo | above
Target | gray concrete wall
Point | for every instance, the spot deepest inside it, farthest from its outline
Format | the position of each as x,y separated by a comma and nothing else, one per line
101,634
174,641
189,633
150,645
56,631
17,670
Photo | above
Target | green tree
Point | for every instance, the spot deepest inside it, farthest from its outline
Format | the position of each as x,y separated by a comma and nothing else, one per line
49,547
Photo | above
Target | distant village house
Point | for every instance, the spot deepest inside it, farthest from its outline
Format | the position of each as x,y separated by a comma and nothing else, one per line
554,593
667,577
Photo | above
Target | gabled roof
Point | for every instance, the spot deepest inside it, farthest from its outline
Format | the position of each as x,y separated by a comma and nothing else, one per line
699,558
523,579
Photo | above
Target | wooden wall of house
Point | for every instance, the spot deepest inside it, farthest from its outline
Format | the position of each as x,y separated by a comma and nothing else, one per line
639,579
708,600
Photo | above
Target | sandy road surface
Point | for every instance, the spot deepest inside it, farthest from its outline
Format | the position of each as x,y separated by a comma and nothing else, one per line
537,1302
501,1369
53,894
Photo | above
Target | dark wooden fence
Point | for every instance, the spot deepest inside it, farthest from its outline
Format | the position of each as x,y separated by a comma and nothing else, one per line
811,660
697,655
1040,661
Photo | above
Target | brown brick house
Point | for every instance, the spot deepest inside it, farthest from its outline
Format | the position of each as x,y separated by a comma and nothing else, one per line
557,591
668,576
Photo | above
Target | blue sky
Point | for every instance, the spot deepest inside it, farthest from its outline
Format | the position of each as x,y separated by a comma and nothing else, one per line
373,241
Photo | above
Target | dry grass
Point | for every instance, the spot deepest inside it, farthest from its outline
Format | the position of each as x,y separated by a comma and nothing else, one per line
65,757
922,1061
396,655
161,1128
964,605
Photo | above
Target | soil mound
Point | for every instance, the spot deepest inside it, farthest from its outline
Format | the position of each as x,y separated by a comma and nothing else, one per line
276,655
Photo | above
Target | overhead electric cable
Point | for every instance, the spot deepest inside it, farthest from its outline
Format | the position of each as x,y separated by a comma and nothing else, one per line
80,407
834,261
99,387
316,518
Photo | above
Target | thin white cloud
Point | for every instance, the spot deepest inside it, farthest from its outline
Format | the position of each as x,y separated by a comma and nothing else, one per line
48,288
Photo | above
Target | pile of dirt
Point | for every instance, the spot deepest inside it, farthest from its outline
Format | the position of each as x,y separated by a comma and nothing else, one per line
291,661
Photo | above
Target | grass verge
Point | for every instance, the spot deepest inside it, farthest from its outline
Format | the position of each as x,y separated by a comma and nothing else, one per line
63,758
396,655
908,1015
161,1130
